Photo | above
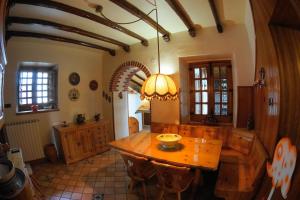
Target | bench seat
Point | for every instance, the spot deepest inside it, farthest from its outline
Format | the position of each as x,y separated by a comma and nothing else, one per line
229,155
240,180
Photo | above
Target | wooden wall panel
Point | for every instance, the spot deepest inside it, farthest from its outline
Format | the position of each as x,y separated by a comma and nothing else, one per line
245,105
287,42
266,117
278,51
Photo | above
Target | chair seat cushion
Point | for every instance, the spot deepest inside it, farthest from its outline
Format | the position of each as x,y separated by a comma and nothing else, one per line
234,178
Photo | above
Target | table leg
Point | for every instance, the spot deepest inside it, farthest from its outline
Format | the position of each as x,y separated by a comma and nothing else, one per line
197,181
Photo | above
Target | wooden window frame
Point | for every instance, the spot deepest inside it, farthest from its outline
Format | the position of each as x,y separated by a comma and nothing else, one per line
211,117
42,107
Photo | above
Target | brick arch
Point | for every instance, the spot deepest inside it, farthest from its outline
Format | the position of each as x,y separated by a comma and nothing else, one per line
122,75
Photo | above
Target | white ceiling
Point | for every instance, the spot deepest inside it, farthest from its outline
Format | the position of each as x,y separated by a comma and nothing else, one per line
230,11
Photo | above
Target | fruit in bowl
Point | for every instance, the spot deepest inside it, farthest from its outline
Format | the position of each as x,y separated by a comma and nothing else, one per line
168,140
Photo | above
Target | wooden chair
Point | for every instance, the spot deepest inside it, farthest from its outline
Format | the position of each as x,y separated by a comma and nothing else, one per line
172,179
139,169
133,124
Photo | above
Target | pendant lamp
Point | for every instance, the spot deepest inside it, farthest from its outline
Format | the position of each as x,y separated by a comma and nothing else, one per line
159,86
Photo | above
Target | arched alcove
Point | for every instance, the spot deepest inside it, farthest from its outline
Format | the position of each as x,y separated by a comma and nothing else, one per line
120,81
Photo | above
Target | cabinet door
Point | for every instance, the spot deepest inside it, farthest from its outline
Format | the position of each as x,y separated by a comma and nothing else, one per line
88,142
99,139
72,146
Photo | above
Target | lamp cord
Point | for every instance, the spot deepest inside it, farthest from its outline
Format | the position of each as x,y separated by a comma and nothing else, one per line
157,37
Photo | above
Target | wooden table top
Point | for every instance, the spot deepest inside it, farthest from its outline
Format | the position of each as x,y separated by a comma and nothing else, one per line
192,152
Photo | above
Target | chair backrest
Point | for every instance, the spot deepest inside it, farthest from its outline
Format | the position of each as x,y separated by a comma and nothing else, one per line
173,178
135,165
258,157
133,124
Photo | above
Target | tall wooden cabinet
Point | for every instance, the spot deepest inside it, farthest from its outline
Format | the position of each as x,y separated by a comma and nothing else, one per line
78,142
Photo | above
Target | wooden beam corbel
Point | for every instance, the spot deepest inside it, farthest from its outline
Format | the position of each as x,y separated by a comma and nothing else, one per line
216,16
184,16
10,34
140,14
71,29
81,13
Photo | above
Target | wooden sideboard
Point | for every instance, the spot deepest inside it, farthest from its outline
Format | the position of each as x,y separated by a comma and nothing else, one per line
78,142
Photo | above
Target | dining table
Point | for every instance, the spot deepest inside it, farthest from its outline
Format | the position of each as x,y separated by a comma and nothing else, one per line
195,153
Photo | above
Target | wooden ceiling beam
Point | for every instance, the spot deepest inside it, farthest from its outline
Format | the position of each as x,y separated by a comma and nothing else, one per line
140,14
10,34
184,16
81,13
71,29
216,16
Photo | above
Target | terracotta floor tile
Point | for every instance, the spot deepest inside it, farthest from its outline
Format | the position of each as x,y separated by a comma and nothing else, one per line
88,190
66,194
87,197
57,193
100,184
102,174
69,188
109,184
121,196
109,190
76,196
99,190
71,183
54,198
61,187
78,189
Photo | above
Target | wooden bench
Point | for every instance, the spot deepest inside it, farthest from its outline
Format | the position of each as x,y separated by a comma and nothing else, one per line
242,157
240,180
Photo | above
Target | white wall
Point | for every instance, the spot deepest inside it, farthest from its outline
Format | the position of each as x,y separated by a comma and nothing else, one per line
134,102
121,115
69,58
208,42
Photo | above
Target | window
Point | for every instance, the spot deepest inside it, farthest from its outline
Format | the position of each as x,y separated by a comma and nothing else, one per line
211,92
37,85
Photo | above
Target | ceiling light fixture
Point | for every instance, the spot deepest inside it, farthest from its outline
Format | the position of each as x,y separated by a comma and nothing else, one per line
159,86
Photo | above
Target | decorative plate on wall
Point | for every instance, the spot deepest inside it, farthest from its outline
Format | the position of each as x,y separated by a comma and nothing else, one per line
74,78
93,85
74,94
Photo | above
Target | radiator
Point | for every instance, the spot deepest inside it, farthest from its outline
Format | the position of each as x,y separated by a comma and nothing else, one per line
26,135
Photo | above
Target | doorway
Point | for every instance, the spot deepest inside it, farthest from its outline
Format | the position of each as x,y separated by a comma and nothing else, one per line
125,85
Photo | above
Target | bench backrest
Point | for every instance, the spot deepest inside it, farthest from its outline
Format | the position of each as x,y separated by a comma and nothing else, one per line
231,138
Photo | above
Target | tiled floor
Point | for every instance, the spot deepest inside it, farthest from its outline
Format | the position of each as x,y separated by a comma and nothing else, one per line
101,174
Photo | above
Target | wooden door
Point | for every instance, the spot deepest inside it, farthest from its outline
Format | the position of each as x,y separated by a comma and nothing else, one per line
245,105
87,140
72,146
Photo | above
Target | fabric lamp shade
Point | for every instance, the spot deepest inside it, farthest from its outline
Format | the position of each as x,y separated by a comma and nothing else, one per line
159,86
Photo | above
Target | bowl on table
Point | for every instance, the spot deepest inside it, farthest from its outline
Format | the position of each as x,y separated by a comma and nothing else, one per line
168,140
